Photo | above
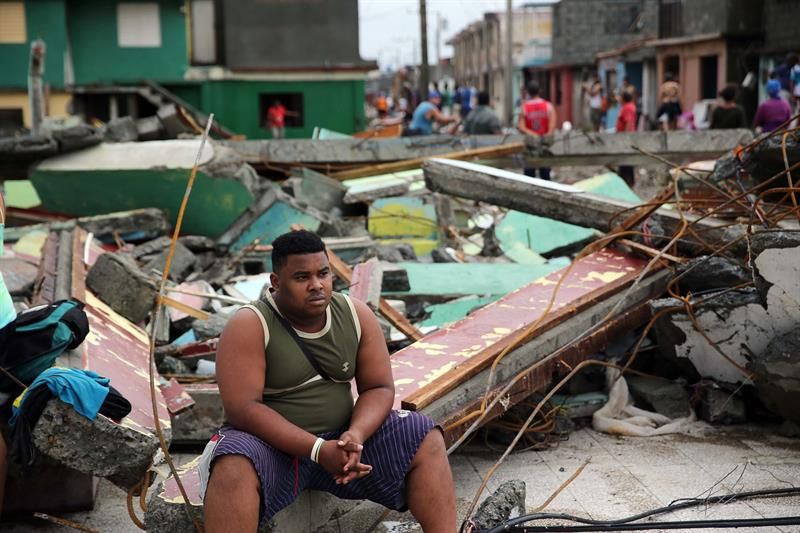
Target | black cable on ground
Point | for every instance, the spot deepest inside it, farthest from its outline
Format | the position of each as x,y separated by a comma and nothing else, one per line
688,524
605,524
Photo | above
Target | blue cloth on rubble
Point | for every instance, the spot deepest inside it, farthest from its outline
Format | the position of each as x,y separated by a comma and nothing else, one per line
84,390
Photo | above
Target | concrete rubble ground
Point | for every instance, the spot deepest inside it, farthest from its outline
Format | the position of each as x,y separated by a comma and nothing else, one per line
479,276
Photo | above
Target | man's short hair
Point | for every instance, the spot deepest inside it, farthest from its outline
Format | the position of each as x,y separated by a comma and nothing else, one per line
728,93
533,88
483,98
294,243
627,97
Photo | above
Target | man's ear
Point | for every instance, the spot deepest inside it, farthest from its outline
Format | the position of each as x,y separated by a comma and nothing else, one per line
274,281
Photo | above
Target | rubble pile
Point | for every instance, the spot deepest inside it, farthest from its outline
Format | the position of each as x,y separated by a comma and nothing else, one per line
479,276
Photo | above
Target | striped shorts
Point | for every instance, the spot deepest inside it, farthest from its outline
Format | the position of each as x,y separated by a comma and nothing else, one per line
389,451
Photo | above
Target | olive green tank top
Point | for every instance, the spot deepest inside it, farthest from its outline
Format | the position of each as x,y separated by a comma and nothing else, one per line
292,386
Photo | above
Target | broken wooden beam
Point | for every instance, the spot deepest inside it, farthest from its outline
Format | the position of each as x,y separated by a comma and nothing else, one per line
556,200
446,373
365,285
343,271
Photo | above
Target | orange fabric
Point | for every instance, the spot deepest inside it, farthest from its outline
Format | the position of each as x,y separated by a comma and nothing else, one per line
626,120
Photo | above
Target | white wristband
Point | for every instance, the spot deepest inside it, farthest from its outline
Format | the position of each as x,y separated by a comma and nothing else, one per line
316,448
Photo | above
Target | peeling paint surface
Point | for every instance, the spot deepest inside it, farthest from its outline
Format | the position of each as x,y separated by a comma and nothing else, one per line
417,365
119,350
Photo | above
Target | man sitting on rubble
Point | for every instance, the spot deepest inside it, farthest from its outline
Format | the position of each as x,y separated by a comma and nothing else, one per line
284,367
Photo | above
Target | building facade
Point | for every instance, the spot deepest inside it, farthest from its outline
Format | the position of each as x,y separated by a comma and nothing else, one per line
232,58
479,57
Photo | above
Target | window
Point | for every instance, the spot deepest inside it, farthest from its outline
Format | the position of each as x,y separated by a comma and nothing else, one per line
708,77
670,18
672,65
204,40
138,25
12,23
293,102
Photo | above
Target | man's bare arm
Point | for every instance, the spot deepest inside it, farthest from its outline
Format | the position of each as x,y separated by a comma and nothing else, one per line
373,377
441,118
551,118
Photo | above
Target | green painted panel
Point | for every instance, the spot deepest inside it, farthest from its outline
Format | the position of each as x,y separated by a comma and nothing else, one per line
522,236
98,58
45,19
455,310
473,278
273,222
213,205
21,194
333,104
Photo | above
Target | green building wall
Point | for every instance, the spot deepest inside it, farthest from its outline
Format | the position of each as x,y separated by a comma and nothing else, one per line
45,19
334,104
98,58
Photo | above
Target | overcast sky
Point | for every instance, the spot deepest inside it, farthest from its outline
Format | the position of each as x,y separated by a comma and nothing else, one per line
389,29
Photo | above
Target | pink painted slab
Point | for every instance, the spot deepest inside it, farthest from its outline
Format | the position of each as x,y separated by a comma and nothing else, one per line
419,364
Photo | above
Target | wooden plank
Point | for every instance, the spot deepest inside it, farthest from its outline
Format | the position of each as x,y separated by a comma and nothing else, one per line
409,164
556,201
343,270
445,359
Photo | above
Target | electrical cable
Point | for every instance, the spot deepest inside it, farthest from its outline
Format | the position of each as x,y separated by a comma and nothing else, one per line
674,506
732,523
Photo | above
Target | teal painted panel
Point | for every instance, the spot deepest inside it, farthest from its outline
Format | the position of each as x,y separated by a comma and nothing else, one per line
45,19
273,222
440,279
98,58
213,205
455,310
329,104
523,237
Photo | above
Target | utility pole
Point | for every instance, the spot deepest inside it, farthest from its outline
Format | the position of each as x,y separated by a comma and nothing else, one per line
509,96
438,37
424,76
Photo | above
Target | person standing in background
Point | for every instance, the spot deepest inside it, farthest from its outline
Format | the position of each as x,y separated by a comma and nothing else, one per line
670,108
537,118
626,122
774,111
727,114
276,119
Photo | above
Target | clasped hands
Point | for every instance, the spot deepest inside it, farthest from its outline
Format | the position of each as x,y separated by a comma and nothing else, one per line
342,458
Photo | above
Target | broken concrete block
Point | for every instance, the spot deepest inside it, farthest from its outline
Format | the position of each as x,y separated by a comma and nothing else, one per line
705,273
719,406
118,282
149,129
146,250
19,275
777,375
182,262
197,425
172,365
394,253
395,278
665,397
171,121
317,189
506,502
120,130
197,243
100,447
444,254
208,329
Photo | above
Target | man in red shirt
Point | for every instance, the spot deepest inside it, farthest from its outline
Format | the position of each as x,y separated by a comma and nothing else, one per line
276,119
626,121
537,118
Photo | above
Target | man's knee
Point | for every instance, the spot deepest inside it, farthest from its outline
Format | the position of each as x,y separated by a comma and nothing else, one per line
232,473
432,445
